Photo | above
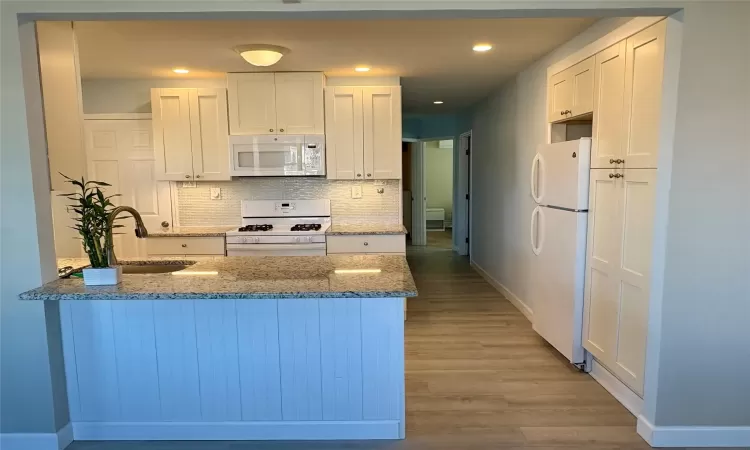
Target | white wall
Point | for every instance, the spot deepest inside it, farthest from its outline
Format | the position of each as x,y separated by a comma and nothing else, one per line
438,172
506,130
103,96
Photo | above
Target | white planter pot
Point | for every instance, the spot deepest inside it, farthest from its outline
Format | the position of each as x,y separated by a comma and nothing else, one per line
102,277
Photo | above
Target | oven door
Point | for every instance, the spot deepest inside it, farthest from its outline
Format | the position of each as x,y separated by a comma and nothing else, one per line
276,249
261,156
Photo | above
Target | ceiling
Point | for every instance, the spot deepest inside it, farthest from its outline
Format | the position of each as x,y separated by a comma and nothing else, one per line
433,57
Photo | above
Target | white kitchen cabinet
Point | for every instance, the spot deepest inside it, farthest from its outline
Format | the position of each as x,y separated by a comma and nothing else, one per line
366,243
618,270
190,134
571,92
186,246
609,92
363,133
275,103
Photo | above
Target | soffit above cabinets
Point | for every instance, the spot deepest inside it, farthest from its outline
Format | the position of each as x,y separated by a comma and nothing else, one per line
433,57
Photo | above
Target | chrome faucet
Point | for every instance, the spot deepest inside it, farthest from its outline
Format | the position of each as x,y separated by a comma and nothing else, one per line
140,230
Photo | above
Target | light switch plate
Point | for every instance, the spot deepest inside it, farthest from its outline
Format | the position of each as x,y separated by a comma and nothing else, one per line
215,193
357,191
188,184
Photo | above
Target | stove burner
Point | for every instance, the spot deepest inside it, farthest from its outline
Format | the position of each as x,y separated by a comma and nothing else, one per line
306,227
256,228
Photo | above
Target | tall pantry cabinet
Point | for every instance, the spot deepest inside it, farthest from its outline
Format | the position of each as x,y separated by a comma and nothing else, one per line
625,143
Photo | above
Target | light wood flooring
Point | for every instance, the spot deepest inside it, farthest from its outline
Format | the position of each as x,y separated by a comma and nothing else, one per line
477,377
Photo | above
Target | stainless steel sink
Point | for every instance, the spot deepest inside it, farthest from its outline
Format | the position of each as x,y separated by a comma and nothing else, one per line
152,268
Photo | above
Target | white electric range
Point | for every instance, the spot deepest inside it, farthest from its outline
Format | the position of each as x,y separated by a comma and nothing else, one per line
281,228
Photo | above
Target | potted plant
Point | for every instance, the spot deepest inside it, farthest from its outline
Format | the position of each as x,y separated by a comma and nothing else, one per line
92,210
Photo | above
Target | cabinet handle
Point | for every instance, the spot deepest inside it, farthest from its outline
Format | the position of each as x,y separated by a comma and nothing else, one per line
184,245
366,244
359,174
611,175
562,113
187,176
616,161
282,130
271,130
619,175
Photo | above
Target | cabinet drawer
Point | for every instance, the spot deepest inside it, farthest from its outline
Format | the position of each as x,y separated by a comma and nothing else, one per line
185,246
366,244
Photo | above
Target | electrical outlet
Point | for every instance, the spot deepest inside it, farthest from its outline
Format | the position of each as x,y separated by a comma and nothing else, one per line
188,184
357,191
215,193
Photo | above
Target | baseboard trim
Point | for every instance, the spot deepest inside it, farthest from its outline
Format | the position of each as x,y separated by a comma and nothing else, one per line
517,302
619,390
37,441
693,436
236,431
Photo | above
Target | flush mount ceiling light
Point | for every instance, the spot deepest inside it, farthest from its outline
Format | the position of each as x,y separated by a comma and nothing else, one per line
438,102
180,70
362,69
262,55
482,47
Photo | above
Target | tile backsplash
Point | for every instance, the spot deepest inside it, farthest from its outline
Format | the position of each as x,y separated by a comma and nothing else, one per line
196,208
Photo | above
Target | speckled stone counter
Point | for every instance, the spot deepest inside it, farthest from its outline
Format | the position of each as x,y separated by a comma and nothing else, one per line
333,276
190,232
344,229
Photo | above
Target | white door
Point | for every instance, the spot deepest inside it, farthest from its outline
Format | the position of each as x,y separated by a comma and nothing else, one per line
170,111
419,192
121,153
299,103
582,78
382,132
637,207
602,266
559,96
344,134
209,130
559,242
644,65
560,174
609,92
252,103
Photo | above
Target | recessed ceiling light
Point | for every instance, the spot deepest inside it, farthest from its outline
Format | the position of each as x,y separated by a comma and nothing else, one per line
262,55
438,102
482,47
362,69
180,70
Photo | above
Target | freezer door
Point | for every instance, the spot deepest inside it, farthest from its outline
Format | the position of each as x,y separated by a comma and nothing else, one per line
560,174
558,289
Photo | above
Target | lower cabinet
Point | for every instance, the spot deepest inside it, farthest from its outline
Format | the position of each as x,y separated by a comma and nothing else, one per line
186,246
618,270
367,244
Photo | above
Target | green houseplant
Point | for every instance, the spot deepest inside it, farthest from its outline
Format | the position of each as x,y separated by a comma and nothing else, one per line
92,209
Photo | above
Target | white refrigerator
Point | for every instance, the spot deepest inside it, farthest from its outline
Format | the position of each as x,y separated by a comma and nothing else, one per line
560,188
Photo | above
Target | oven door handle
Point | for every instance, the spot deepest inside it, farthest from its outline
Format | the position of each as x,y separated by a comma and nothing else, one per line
271,247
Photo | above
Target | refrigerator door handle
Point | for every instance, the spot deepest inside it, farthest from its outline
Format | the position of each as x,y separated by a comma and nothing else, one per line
536,180
537,230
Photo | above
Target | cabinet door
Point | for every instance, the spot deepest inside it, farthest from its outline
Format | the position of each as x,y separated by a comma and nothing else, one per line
602,262
170,110
252,103
382,132
633,276
560,96
609,90
344,137
299,103
582,80
644,64
208,121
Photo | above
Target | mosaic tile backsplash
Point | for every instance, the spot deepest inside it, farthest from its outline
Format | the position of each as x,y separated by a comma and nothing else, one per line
195,207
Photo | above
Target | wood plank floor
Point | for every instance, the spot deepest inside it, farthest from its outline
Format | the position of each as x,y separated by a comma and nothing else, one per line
477,377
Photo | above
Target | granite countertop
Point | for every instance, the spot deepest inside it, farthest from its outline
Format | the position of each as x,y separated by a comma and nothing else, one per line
242,277
190,232
344,229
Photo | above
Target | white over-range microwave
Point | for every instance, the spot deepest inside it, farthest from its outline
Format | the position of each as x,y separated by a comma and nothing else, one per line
272,156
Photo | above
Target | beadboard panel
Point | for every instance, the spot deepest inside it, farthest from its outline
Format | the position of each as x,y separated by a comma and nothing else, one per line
195,207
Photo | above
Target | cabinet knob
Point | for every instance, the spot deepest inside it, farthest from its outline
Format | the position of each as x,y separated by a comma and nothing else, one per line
282,130
611,175
184,245
562,113
271,130
187,176
165,224
197,176
366,244
359,174
369,174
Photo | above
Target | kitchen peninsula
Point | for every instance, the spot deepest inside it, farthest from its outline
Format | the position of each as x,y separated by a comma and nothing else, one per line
238,348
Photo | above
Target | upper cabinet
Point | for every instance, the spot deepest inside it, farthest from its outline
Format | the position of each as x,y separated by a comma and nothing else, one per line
571,92
628,88
190,134
363,133
275,103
